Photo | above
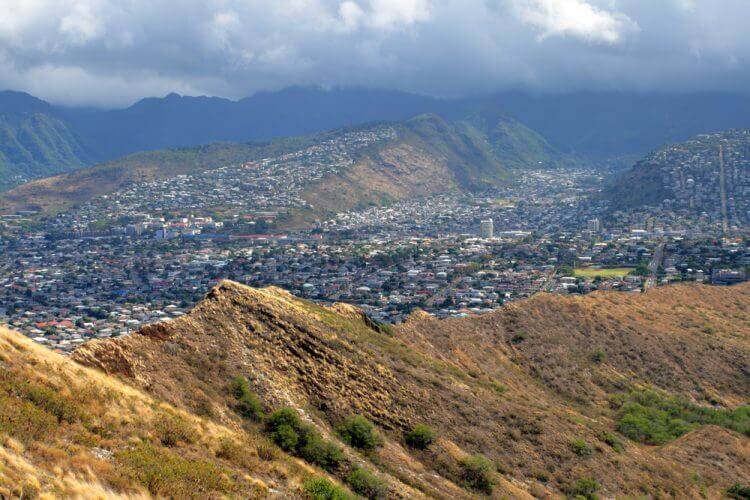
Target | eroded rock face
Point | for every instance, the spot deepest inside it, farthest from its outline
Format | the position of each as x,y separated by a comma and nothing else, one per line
286,347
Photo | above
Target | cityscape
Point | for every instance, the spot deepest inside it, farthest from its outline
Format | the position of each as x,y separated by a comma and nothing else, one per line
149,252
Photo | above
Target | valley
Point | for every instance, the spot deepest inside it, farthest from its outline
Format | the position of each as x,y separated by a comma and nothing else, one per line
374,250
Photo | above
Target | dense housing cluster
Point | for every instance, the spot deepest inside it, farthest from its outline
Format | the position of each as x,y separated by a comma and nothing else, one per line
148,252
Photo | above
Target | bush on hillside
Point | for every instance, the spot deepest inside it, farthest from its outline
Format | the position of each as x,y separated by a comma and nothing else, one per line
365,483
739,492
420,437
248,403
654,417
320,452
360,433
291,434
584,488
320,488
478,472
581,448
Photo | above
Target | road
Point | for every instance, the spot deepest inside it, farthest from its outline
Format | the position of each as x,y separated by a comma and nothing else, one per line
653,266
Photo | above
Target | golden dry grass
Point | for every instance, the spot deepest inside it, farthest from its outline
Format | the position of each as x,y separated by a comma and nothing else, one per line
110,439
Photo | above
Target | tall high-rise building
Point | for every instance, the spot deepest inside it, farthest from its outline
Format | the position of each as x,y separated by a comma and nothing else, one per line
594,225
487,228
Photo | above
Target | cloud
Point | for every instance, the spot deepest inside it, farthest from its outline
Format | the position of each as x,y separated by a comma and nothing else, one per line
576,18
111,52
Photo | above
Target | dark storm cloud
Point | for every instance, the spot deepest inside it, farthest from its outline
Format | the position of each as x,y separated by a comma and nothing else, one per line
107,52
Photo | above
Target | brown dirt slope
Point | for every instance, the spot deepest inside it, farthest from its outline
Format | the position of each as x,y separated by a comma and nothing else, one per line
524,386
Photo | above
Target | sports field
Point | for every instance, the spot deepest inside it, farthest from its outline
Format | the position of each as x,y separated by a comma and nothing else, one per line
615,272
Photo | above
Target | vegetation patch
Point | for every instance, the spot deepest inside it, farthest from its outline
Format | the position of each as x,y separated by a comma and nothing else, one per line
420,437
292,435
25,421
613,442
320,488
248,403
606,273
367,484
653,417
173,429
165,473
581,448
360,433
478,473
584,488
739,492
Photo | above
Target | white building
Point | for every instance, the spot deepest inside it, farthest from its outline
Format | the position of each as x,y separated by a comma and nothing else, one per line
487,228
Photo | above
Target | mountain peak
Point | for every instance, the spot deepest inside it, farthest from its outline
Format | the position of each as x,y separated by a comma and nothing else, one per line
14,102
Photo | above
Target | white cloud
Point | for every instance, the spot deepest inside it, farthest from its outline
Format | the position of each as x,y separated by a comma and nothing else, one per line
351,15
112,51
395,13
576,18
82,24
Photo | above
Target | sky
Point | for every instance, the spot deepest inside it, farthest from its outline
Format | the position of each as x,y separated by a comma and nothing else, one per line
109,53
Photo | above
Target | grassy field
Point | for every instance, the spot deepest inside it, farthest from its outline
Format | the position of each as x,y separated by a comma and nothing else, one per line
614,272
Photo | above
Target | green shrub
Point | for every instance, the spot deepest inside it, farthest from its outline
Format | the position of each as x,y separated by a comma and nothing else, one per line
360,433
365,483
599,356
739,492
478,473
613,441
583,488
654,417
581,448
420,437
285,437
284,416
292,435
519,337
498,387
320,452
248,403
167,474
320,488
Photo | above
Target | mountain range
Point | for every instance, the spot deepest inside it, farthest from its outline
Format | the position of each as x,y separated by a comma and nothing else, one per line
256,393
424,155
38,139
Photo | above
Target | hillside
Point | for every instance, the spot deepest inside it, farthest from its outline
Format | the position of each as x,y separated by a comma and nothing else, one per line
34,141
558,392
590,125
69,431
426,156
709,173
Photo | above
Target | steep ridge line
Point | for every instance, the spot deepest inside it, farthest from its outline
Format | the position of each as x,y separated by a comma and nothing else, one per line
519,385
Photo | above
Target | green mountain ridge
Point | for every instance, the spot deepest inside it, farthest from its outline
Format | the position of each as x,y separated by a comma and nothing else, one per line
36,145
428,156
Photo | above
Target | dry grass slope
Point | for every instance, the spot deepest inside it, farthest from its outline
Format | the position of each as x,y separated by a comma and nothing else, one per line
70,431
531,387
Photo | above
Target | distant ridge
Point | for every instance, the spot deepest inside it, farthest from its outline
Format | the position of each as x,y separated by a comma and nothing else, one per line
427,156
597,125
